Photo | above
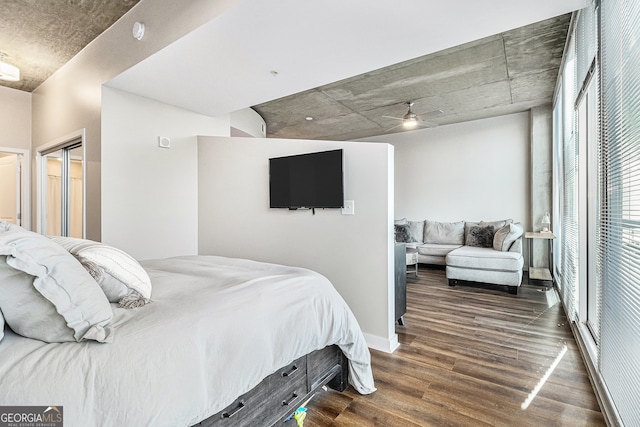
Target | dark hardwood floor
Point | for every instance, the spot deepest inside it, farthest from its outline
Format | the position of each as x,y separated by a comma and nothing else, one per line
471,356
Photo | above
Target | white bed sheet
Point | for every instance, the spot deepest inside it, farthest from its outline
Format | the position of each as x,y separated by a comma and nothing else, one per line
215,328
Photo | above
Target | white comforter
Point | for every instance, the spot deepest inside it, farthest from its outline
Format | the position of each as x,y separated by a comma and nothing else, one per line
215,328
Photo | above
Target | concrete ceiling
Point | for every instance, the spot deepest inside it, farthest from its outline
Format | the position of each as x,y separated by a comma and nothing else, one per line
502,74
464,58
226,64
40,36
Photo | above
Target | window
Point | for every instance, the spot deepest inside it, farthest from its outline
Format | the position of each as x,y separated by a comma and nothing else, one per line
620,223
597,193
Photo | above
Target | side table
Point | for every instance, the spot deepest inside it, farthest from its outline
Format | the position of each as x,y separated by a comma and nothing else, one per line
412,260
540,273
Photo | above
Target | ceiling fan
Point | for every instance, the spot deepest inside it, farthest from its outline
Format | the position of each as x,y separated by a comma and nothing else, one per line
411,119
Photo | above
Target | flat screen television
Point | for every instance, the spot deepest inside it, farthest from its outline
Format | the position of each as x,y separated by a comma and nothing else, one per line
312,180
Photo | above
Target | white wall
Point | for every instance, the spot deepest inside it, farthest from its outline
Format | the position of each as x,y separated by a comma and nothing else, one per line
248,122
70,100
354,252
150,194
15,118
476,170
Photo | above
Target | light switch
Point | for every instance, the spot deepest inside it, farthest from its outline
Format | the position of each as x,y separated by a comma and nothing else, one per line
349,207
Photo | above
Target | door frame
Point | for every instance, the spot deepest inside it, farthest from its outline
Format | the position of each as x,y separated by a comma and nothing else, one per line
41,175
25,185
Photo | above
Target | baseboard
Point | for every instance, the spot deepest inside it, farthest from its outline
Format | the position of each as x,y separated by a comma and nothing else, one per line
382,344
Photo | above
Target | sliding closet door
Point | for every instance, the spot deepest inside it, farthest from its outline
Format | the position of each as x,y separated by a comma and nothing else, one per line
62,191
10,189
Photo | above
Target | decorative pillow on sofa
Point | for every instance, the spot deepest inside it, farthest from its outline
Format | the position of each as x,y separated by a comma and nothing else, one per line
45,293
120,276
401,221
505,236
401,233
416,231
496,225
448,233
481,237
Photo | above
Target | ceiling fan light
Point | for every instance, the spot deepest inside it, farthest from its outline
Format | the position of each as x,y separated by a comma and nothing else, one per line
409,122
9,72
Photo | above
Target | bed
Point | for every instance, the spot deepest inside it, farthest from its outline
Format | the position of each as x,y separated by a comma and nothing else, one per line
219,340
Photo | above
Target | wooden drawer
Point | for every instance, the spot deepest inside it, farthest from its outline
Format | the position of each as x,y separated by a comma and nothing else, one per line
263,405
325,364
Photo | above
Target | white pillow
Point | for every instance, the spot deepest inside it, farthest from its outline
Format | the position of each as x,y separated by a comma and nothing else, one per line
46,294
504,237
120,276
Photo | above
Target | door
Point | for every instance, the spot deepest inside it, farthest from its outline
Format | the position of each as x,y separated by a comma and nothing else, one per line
62,190
10,187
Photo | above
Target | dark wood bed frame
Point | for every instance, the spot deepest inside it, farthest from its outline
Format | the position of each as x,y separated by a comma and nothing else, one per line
281,393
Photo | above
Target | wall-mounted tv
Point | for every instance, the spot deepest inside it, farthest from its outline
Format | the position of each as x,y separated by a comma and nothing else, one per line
312,180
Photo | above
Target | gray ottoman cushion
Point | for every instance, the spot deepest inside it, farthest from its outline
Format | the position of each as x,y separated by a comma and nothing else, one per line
476,258
436,249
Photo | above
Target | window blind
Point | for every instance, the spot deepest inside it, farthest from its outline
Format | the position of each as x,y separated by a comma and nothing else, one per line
620,211
568,241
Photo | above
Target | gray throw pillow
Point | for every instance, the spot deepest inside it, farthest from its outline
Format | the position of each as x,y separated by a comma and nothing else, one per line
401,221
506,235
401,233
481,237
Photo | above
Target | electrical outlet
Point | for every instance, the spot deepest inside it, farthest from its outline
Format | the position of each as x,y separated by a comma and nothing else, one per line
349,207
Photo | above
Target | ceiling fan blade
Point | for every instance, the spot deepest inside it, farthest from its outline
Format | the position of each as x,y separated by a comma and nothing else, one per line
392,128
432,113
395,118
426,124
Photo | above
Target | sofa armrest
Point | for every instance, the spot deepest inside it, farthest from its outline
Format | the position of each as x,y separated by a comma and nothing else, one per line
516,246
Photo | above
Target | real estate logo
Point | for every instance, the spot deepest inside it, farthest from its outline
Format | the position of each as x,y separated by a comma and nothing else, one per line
31,416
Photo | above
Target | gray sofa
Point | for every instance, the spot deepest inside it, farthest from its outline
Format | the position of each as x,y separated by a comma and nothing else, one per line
484,251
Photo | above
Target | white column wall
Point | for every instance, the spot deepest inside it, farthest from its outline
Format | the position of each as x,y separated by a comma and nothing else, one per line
354,252
150,194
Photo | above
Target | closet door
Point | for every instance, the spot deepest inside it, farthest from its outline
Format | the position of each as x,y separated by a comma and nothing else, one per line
10,189
62,191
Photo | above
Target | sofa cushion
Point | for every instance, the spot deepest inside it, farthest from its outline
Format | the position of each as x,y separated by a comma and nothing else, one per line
436,249
451,233
481,237
401,221
485,259
416,231
505,236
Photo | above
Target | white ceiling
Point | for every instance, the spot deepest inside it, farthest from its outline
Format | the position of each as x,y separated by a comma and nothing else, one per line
226,64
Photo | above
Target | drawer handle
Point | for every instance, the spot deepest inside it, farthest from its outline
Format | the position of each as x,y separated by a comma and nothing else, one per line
290,401
293,369
235,411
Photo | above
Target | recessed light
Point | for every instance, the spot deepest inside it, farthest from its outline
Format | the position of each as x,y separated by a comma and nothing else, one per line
308,118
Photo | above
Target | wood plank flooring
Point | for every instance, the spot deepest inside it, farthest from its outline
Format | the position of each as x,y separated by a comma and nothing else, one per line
470,356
